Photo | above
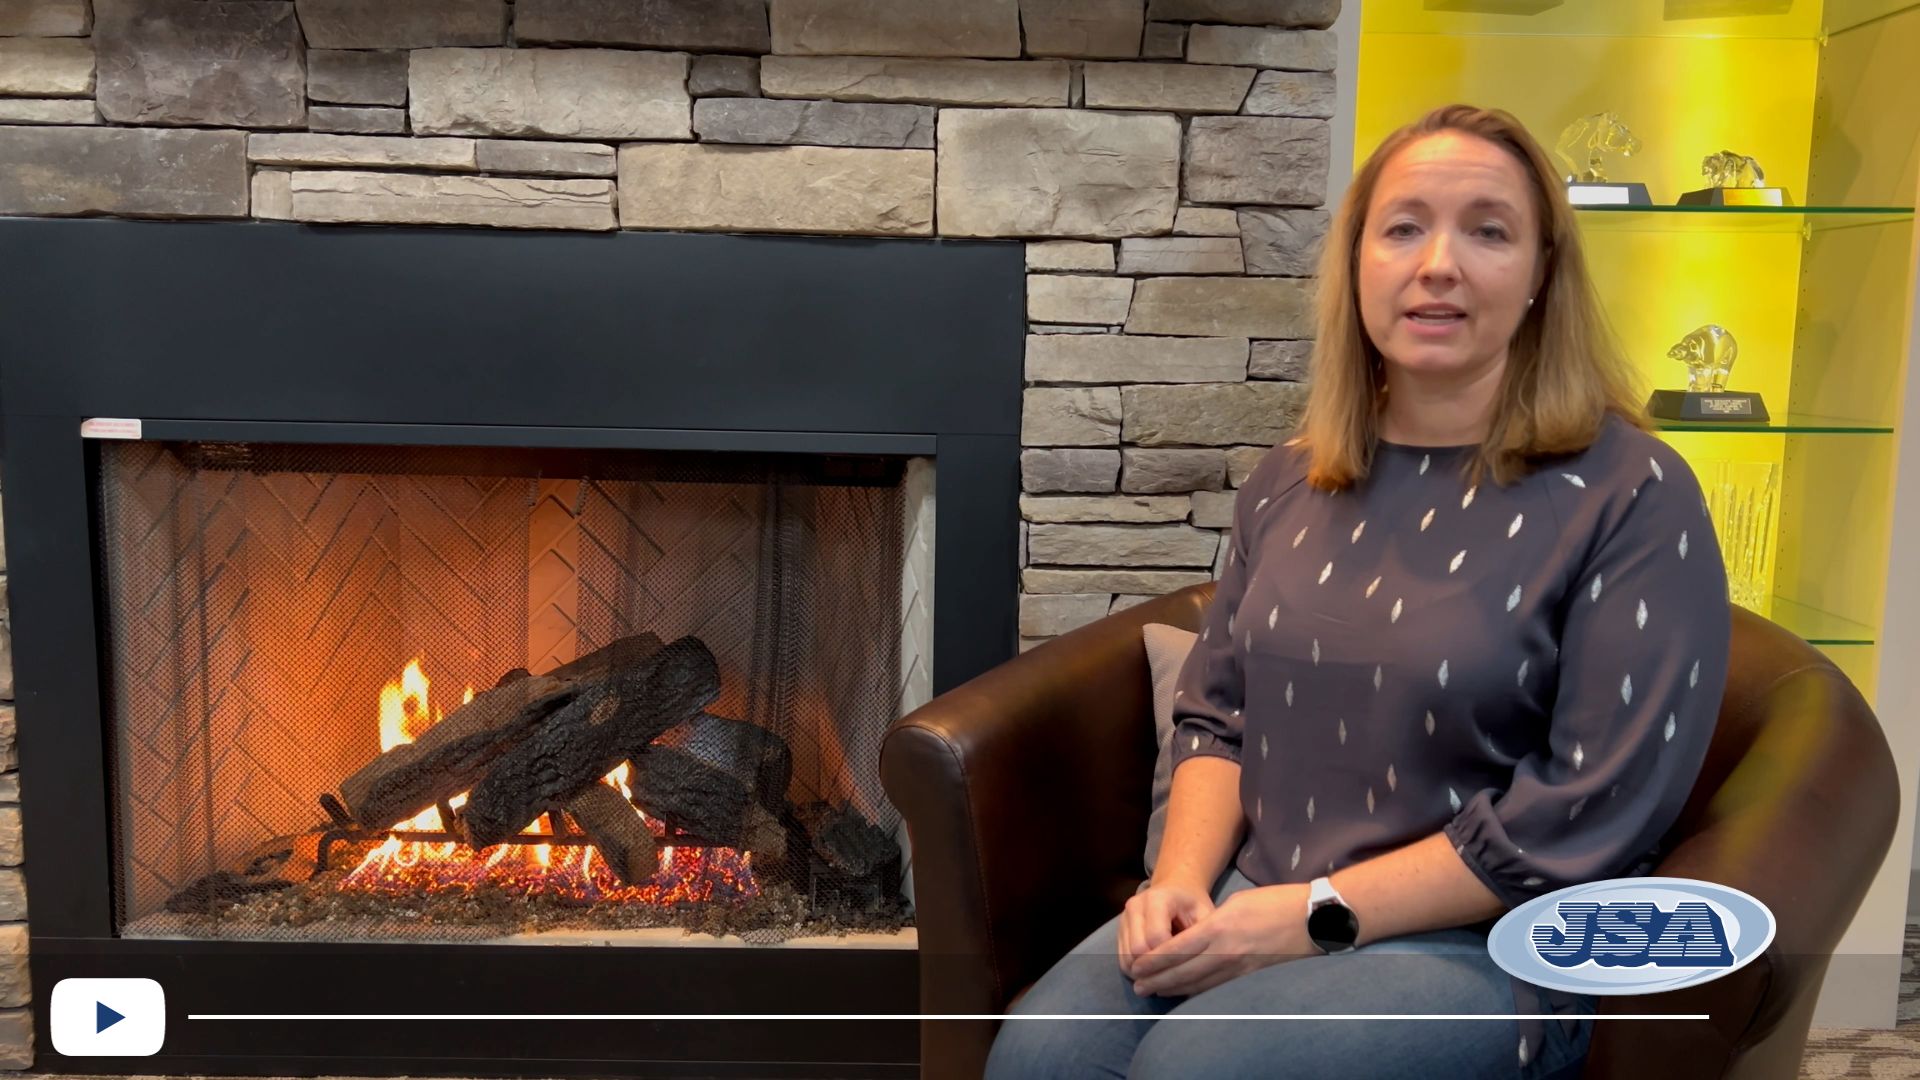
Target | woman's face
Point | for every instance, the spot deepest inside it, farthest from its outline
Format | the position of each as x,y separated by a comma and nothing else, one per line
1448,256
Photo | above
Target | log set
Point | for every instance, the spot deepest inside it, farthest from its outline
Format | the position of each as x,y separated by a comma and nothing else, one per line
536,745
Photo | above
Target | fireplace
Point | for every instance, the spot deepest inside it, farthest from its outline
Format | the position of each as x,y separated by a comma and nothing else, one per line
394,692
392,601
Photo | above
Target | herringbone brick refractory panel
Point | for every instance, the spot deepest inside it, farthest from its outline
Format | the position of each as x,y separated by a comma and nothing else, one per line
376,692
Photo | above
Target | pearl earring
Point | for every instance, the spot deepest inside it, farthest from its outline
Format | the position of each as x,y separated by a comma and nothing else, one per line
1529,301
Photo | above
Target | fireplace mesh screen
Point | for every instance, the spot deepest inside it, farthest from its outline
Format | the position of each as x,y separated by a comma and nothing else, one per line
284,623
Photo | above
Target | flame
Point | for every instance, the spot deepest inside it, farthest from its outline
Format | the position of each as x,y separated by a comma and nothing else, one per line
690,874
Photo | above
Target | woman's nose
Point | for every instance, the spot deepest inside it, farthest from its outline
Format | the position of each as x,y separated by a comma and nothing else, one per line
1437,260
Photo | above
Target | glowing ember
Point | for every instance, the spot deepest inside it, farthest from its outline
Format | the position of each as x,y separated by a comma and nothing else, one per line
570,871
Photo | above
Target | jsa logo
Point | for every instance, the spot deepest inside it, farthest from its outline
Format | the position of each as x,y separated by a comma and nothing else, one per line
1631,935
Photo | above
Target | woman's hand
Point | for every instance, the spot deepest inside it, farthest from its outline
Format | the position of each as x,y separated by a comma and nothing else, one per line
1155,915
1251,929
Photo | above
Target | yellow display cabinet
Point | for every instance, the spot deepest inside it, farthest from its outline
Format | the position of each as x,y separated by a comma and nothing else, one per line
1814,514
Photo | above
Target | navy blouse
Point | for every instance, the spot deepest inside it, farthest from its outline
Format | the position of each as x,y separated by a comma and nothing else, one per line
1535,670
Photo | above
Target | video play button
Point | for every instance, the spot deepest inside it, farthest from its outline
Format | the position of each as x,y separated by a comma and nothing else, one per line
108,1017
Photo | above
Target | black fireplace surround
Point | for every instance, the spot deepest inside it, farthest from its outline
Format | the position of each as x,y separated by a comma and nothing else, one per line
285,333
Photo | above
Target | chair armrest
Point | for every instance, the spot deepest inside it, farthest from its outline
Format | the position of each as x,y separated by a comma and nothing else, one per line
1025,792
1802,824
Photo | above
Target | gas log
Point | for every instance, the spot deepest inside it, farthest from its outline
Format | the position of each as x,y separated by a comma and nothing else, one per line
618,834
853,862
718,779
608,721
454,754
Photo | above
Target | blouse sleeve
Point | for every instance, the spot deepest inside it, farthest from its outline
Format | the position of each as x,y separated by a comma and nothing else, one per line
1642,663
1210,692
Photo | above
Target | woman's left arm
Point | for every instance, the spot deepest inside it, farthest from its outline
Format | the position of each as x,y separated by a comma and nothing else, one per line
1643,650
1643,661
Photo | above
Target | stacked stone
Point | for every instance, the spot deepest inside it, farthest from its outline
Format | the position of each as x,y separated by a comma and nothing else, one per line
1168,342
46,63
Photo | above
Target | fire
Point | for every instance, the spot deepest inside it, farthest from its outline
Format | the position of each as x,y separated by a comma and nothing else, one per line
689,874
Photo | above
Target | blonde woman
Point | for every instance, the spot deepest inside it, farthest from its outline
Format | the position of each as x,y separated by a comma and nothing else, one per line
1468,648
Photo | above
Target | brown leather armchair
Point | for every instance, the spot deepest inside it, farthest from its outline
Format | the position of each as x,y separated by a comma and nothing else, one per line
1026,795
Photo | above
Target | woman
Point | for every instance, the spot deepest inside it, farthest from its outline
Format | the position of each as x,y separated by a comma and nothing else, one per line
1467,649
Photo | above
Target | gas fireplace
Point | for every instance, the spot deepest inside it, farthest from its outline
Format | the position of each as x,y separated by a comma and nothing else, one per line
480,624
385,692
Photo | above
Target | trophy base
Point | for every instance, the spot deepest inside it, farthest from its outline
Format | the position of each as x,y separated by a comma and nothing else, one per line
1631,194
1738,196
1707,406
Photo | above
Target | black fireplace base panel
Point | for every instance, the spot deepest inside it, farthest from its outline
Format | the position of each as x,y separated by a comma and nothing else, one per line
253,978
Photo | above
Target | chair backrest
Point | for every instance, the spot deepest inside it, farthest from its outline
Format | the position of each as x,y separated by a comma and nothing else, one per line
1764,657
1796,805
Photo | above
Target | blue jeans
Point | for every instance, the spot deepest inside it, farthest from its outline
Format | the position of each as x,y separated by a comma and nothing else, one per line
1445,971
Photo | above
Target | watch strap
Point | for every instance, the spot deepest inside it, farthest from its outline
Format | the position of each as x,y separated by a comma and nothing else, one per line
1321,891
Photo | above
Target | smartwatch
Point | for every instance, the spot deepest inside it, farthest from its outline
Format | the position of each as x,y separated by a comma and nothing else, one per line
1331,924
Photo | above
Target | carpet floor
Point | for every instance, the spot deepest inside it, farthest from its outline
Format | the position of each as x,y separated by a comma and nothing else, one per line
1868,1053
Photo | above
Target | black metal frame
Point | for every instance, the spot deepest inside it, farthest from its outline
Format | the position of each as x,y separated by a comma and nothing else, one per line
290,333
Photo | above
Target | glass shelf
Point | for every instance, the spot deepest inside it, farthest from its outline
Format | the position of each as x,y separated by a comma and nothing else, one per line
1787,219
1818,627
1788,425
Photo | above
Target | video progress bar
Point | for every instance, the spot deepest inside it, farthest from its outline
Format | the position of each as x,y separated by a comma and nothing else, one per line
863,1017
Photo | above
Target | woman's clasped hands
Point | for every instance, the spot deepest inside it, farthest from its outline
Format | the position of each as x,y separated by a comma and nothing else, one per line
1175,942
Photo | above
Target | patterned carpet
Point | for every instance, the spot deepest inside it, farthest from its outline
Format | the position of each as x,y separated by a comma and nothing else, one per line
1847,1053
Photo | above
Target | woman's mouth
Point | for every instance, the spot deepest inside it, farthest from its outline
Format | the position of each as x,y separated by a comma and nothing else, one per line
1435,320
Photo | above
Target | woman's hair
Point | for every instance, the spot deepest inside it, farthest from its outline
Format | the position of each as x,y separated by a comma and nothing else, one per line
1564,371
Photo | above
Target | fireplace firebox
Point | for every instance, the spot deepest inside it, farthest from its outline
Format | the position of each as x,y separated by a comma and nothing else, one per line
378,693
459,625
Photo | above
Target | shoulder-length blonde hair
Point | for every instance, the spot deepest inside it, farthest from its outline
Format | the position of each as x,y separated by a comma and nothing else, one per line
1564,372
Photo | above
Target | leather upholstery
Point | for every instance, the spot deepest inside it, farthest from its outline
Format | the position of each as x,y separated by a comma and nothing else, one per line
1025,793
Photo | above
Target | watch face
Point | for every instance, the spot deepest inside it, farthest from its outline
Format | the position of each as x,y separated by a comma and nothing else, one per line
1333,926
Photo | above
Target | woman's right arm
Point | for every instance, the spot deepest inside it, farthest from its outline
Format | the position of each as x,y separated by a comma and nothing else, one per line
1204,824
1205,821
1204,828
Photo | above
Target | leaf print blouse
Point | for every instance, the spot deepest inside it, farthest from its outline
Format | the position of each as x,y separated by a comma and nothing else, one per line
1536,669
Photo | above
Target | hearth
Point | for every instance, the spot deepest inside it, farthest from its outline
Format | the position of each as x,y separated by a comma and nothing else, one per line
388,602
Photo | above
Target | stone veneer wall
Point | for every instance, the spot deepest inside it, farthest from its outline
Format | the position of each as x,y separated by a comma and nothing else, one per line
1164,159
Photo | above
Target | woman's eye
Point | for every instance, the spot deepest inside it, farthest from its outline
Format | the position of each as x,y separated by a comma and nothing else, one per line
1493,232
1400,228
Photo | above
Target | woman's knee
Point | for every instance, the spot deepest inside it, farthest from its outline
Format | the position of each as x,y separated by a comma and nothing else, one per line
1085,982
1036,1048
1225,1049
1027,1049
1323,1049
